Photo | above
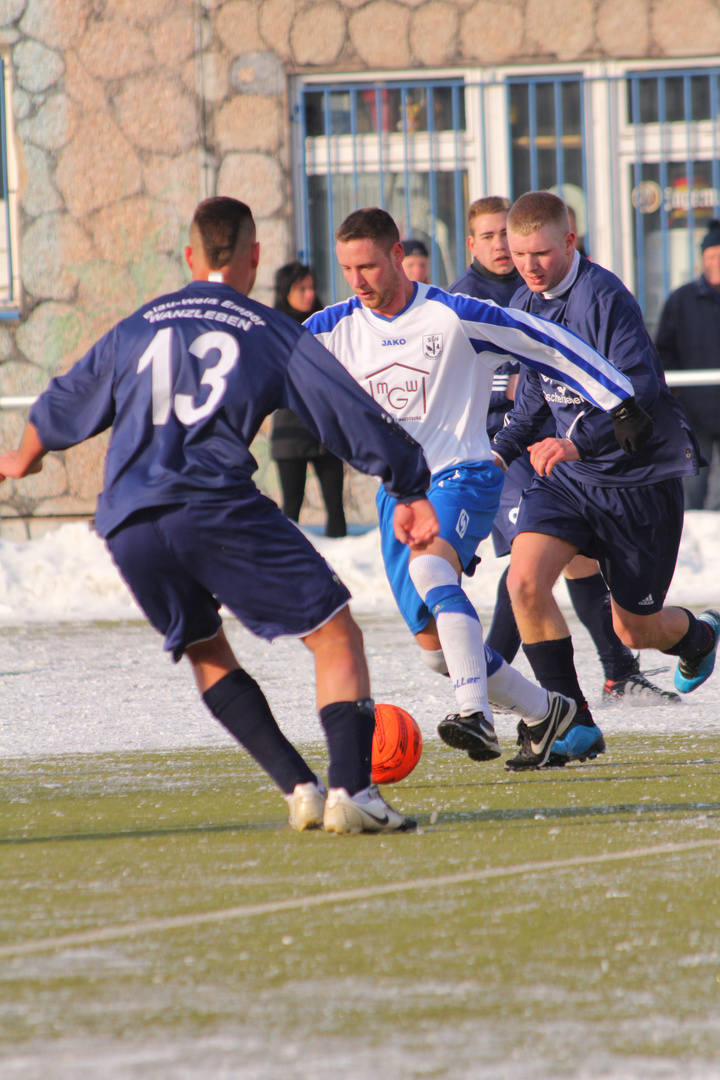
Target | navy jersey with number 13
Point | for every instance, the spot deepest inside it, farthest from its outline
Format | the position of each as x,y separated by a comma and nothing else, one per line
185,383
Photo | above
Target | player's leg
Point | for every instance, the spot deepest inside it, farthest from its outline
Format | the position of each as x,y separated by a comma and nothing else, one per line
235,699
331,476
292,473
186,613
453,636
269,575
347,714
590,598
640,564
536,562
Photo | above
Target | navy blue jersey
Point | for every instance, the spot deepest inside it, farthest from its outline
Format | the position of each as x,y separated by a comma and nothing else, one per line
599,308
185,383
501,288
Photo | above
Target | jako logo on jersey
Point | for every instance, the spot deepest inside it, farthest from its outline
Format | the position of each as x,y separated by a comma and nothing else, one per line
462,523
395,341
432,346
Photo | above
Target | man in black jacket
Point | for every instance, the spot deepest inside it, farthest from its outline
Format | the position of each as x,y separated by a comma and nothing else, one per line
688,338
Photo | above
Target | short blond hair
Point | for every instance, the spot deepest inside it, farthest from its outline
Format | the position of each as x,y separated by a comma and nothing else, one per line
491,204
534,210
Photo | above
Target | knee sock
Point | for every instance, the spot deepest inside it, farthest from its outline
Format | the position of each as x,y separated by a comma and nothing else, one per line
503,636
591,600
239,704
695,642
554,668
349,727
435,660
509,690
459,630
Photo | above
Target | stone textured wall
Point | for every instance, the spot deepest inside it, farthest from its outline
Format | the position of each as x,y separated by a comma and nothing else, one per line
126,112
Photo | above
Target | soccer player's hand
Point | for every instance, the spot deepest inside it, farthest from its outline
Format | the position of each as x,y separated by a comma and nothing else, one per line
633,426
416,523
27,459
13,466
545,455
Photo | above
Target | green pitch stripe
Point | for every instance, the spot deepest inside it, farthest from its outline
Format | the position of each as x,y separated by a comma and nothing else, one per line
299,903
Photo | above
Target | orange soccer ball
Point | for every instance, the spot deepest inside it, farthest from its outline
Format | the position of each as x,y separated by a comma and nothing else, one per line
397,744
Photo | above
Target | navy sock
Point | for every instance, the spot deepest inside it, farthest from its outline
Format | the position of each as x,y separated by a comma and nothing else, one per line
698,640
349,728
554,668
591,600
503,635
239,704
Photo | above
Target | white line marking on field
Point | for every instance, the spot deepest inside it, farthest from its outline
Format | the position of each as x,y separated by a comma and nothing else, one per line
245,911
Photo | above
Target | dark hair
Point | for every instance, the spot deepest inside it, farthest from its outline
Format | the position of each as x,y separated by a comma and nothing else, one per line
223,223
285,278
370,223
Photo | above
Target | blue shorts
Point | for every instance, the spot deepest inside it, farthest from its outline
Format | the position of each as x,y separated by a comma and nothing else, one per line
182,562
466,499
633,532
518,477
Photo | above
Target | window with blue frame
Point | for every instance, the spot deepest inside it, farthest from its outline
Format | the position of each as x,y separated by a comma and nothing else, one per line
400,146
674,177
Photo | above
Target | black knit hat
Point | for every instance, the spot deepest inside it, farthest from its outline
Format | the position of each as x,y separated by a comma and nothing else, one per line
416,247
712,237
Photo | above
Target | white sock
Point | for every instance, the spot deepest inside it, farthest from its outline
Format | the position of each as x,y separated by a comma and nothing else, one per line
435,660
461,637
508,689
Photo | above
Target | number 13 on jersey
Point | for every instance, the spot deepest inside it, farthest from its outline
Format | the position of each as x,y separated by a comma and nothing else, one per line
158,357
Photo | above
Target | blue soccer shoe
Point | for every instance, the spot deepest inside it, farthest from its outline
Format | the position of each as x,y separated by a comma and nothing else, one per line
689,674
577,744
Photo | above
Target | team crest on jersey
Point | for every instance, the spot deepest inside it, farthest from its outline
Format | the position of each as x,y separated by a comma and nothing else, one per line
400,389
462,523
432,346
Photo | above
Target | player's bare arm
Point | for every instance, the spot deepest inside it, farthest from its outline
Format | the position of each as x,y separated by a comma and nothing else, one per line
27,459
548,453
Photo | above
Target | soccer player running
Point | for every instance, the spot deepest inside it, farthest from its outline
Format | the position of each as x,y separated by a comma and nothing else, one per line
429,358
492,275
588,495
185,383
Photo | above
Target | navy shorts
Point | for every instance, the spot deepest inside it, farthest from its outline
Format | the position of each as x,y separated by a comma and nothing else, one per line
465,498
182,562
518,477
633,532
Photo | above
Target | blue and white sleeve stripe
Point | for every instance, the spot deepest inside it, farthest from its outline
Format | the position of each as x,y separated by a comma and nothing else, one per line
547,347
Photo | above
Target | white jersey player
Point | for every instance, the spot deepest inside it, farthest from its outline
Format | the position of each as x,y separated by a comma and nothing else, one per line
428,357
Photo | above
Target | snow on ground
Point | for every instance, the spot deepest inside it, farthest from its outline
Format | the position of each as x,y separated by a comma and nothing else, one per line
81,671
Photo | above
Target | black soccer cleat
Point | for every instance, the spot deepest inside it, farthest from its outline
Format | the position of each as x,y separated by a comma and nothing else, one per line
636,688
536,740
472,733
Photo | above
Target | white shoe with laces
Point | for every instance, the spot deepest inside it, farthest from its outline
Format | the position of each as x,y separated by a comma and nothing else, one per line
307,805
365,811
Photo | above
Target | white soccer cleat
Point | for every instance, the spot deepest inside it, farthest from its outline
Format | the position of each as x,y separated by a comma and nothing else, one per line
307,805
366,811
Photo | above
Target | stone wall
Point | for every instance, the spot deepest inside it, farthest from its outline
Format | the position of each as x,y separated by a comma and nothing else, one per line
126,112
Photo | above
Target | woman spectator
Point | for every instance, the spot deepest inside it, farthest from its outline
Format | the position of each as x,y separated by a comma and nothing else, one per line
292,446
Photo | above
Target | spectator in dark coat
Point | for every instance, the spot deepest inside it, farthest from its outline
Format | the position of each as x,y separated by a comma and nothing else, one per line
292,446
688,338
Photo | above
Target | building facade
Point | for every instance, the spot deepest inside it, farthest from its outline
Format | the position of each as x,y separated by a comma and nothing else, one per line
116,117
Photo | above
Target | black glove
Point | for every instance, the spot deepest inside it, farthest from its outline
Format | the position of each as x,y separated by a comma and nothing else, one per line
633,426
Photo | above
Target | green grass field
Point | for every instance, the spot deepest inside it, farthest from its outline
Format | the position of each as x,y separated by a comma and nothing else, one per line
159,918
